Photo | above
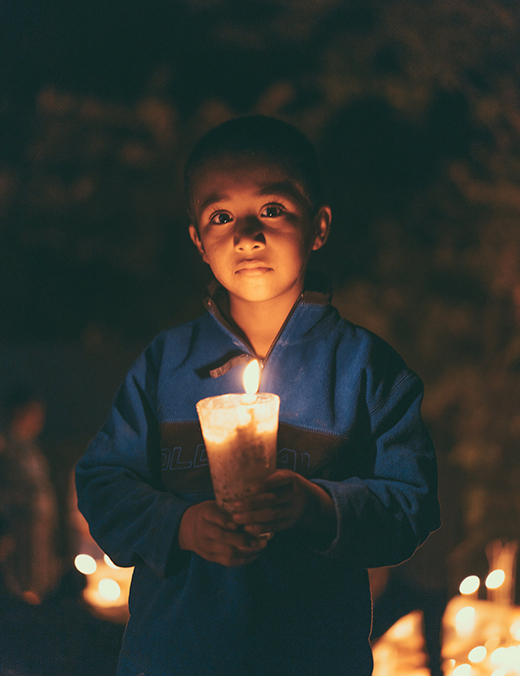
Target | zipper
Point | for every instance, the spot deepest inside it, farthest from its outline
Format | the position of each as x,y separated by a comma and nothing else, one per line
212,308
286,321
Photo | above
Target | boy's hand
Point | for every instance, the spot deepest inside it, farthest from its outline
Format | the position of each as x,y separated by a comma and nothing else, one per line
209,532
288,500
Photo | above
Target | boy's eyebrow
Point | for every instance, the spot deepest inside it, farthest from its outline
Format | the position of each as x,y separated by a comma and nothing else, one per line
278,188
213,197
281,188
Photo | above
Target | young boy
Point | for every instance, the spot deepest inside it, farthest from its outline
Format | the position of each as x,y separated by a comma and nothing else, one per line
356,480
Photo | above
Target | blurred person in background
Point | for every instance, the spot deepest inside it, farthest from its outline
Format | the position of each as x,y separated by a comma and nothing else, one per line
31,569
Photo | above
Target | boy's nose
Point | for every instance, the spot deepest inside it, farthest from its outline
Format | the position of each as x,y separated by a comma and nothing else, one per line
249,235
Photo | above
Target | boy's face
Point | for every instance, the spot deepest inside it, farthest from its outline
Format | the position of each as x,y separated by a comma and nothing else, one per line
255,229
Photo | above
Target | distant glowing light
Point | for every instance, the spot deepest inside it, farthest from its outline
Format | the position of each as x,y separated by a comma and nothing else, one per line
462,670
492,643
404,628
499,672
85,564
109,562
514,657
109,589
465,620
469,585
478,654
507,657
515,630
495,579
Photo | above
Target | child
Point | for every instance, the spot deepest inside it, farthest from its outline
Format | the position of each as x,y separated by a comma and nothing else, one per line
356,480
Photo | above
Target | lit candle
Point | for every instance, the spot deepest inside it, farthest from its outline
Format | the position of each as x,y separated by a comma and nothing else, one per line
240,433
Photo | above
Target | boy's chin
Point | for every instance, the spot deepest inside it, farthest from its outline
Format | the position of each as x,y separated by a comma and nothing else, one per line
262,294
253,296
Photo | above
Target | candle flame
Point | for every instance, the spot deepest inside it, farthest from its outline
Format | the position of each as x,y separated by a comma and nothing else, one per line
252,377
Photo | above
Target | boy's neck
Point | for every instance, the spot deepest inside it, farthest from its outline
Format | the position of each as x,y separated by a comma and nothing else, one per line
261,321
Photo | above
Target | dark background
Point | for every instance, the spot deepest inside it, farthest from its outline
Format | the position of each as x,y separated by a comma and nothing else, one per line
413,108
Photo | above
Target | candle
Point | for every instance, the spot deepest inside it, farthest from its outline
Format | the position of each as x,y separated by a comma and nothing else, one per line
240,433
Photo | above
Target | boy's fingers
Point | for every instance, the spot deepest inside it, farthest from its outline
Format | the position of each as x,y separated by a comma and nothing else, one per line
271,527
228,555
235,539
222,519
284,495
257,502
279,483
278,488
280,478
261,516
213,532
243,542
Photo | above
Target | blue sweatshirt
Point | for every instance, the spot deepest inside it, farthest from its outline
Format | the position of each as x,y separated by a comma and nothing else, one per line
349,421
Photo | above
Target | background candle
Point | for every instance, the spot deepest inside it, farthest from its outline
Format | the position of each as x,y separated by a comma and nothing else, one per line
240,432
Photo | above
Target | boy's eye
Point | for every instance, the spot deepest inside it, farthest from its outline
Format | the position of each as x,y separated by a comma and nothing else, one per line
220,218
272,211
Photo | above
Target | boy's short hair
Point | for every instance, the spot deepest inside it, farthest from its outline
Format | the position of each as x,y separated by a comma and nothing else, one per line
266,138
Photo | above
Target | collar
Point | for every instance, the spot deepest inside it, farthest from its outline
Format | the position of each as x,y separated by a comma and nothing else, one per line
317,291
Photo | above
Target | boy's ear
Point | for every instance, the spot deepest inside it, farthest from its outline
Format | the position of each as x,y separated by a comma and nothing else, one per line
321,227
197,241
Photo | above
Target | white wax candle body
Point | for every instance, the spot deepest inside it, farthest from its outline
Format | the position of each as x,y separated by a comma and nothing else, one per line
240,432
239,463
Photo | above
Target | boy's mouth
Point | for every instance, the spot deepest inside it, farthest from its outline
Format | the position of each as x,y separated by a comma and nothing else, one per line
253,267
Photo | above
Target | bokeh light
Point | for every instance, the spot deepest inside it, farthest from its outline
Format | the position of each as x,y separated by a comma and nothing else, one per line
85,564
109,589
109,562
465,620
515,630
463,670
478,654
469,585
495,579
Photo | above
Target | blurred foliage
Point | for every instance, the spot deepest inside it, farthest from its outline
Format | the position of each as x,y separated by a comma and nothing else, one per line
414,110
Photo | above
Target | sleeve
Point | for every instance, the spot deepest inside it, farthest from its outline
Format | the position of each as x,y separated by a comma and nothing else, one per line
382,518
117,481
